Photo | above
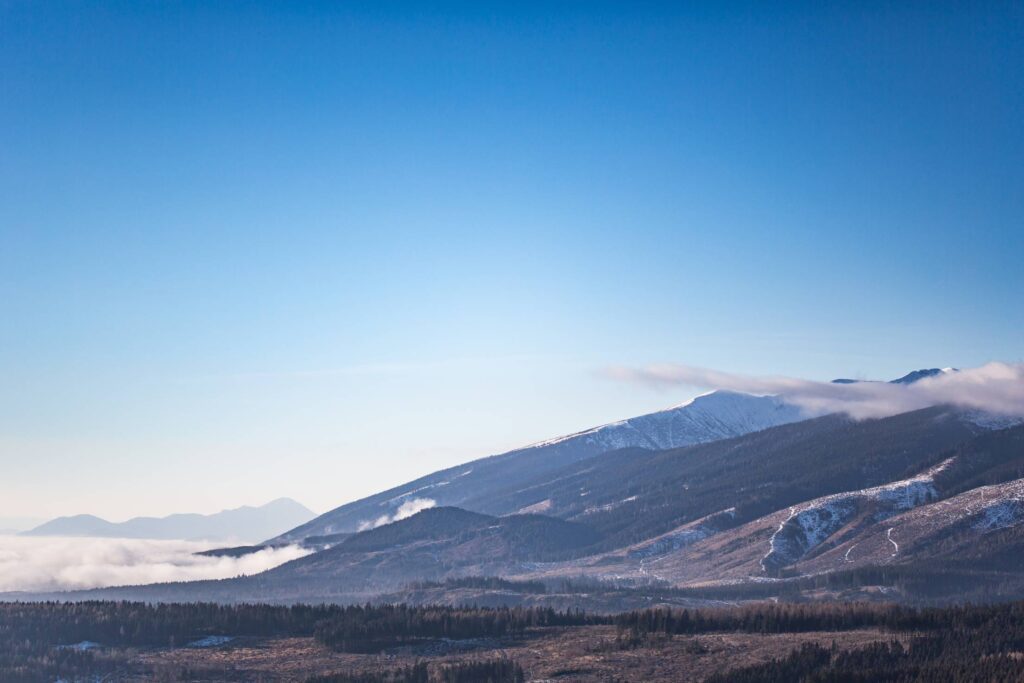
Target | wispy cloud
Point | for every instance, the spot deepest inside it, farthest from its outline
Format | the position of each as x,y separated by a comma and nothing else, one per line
46,564
406,509
996,388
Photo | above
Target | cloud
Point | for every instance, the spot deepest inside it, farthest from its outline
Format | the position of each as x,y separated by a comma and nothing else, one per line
996,388
406,509
52,563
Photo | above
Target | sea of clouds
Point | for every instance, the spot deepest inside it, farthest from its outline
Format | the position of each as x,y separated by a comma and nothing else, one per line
55,563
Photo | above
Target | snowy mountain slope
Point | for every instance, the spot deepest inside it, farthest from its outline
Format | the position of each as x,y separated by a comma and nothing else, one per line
943,504
949,528
811,524
708,549
639,495
711,417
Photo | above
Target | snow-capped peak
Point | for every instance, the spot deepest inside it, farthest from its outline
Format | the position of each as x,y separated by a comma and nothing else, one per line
708,417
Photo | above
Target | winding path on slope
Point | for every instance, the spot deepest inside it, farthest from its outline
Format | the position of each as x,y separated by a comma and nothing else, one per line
895,545
771,541
848,551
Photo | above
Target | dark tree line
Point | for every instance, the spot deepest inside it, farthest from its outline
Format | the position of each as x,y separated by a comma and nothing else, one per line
374,628
956,656
37,639
805,617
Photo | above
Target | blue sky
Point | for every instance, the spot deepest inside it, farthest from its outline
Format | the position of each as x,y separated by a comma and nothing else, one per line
305,249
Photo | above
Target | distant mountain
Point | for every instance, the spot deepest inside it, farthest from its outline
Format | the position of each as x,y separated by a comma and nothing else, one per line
13,525
916,375
908,378
711,417
244,524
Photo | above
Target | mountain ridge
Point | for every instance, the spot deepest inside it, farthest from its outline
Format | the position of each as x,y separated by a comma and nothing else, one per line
709,417
244,523
869,501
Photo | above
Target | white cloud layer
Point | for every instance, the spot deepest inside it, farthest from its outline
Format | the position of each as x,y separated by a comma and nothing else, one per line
996,388
406,509
53,563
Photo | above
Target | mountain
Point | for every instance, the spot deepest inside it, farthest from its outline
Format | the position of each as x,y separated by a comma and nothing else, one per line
244,523
917,375
922,506
908,378
486,484
647,493
751,510
714,416
75,525
960,517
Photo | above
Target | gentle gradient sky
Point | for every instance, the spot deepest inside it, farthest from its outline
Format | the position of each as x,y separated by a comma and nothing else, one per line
259,249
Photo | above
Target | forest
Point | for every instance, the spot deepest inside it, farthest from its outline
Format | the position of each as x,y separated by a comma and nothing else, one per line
50,641
44,641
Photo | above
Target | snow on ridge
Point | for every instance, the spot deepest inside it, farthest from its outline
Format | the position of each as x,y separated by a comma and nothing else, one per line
607,506
812,524
992,421
670,543
1006,510
708,417
680,537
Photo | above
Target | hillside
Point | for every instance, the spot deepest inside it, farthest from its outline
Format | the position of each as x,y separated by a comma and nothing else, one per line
920,523
711,417
638,495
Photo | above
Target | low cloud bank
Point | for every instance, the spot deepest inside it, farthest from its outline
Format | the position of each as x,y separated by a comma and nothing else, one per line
996,388
54,563
406,509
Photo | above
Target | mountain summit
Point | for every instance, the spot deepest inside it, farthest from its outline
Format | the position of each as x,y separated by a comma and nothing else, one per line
908,378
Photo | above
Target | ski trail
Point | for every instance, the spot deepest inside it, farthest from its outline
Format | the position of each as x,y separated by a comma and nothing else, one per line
771,541
643,570
895,545
847,555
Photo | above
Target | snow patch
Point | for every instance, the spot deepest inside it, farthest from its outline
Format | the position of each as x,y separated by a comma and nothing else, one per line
810,526
895,545
608,506
1000,515
536,508
992,421
211,641
670,543
83,646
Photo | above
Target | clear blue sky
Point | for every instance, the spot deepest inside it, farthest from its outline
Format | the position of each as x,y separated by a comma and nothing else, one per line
259,249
